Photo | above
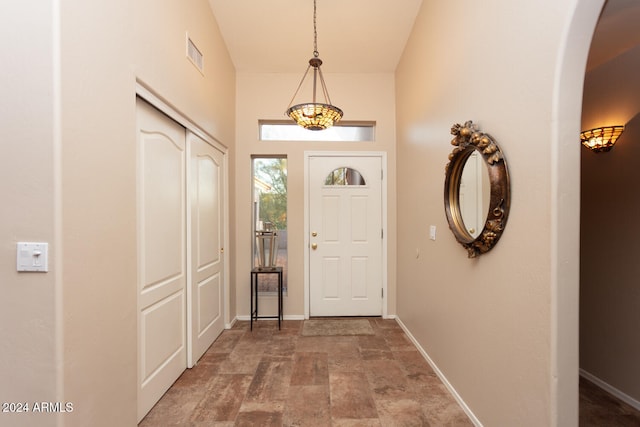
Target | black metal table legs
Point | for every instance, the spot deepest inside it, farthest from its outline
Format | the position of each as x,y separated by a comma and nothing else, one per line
255,273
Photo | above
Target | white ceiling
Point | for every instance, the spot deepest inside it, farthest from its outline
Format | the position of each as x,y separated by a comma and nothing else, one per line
354,36
360,36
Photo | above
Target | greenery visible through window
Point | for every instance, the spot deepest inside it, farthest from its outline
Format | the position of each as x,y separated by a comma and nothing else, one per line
270,212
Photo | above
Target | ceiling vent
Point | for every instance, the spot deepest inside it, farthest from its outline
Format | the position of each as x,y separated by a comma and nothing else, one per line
194,55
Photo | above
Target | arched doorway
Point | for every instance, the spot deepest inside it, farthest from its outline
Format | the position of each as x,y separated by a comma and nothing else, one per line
565,280
609,293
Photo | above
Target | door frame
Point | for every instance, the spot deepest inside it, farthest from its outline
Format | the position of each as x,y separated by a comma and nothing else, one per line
146,93
307,278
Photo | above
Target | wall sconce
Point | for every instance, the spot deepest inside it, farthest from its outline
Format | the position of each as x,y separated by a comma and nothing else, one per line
600,140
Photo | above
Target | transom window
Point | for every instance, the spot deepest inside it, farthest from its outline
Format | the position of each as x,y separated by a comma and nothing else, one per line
342,131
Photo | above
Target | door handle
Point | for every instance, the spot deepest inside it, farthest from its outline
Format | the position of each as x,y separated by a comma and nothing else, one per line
314,246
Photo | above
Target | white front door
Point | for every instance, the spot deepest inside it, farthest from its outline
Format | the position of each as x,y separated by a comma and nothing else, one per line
162,273
206,258
345,242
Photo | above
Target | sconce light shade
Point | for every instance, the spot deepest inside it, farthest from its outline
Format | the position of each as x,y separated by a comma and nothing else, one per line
600,140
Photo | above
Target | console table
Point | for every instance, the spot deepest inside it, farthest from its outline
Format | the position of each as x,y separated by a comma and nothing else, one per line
255,277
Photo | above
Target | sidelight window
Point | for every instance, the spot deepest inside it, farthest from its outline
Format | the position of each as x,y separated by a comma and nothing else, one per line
270,212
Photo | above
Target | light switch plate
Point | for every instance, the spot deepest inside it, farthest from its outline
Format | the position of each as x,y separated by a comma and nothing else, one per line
33,256
432,232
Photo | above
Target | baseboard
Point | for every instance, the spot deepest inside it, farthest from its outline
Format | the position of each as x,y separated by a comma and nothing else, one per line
610,389
230,324
246,317
440,375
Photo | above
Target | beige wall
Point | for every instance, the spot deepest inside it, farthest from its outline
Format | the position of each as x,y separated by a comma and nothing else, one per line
84,205
266,96
609,291
28,309
501,328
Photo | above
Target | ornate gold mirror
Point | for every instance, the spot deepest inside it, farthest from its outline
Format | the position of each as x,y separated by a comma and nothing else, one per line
476,189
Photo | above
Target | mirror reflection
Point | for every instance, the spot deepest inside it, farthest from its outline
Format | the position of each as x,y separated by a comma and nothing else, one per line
474,194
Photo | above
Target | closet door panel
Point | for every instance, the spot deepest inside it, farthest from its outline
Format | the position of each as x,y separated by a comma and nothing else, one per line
162,273
207,254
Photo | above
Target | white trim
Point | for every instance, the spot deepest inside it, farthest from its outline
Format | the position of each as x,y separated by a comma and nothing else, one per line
226,242
383,158
610,389
247,318
231,323
440,375
145,92
188,242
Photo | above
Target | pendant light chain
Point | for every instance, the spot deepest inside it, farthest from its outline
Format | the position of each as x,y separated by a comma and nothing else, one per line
314,115
315,32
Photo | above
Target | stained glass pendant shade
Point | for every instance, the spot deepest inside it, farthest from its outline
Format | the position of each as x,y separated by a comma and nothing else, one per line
314,115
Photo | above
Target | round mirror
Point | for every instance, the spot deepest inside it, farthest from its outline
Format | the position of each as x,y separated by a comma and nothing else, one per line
476,190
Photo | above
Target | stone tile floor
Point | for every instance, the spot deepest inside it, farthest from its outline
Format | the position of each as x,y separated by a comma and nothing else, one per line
280,378
271,377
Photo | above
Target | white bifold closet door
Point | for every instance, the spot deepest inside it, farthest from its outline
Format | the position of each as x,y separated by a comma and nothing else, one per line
180,266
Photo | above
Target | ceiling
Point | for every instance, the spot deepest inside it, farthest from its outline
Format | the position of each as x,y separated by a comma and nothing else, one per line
616,33
363,36
354,36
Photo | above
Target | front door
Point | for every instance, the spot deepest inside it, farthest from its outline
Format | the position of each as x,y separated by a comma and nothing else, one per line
345,226
206,260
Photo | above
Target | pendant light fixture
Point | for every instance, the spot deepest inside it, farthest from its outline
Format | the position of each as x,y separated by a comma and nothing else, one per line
314,115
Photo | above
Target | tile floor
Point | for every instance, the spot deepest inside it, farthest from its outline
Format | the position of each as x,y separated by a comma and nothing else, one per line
267,377
280,378
600,409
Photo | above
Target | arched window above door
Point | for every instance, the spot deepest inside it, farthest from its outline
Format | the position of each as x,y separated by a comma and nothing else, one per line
344,176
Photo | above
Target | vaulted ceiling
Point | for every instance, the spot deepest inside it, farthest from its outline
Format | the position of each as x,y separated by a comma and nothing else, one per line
363,36
354,36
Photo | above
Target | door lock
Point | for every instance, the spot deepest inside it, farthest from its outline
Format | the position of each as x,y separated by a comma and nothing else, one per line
314,234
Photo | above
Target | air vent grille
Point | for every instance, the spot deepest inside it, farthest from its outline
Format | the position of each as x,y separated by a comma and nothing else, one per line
194,54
